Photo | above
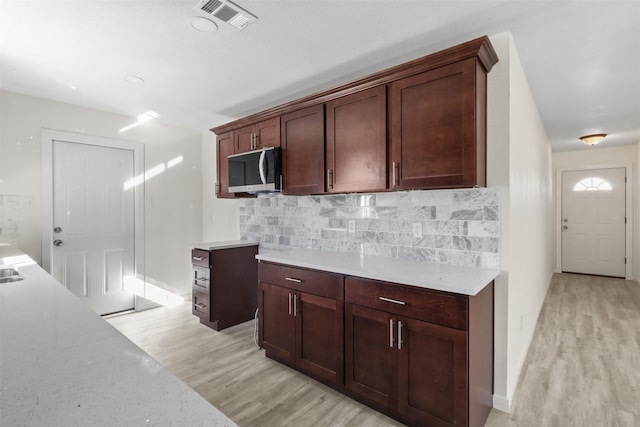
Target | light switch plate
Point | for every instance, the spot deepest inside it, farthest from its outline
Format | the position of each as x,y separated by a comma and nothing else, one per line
417,230
352,226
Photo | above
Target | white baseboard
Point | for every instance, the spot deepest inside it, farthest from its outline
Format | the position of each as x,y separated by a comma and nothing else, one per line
501,403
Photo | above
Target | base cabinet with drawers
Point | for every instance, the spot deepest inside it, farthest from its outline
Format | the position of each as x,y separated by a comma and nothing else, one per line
224,285
421,356
303,329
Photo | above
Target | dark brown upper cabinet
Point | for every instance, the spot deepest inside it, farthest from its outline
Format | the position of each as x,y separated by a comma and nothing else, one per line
259,135
224,148
431,135
356,149
437,128
303,151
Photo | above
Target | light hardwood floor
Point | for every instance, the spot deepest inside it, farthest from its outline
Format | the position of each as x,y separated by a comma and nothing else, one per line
583,367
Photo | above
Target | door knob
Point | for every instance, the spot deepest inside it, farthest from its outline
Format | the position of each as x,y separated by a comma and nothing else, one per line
564,227
57,243
57,230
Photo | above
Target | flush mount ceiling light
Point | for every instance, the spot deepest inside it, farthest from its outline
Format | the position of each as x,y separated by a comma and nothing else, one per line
202,24
593,139
226,11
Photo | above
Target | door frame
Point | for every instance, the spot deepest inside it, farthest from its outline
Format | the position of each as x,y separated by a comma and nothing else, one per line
628,211
50,135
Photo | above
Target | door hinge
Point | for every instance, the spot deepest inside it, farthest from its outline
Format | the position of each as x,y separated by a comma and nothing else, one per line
625,261
625,219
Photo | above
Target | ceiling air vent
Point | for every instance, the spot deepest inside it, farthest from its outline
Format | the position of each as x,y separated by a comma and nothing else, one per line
226,11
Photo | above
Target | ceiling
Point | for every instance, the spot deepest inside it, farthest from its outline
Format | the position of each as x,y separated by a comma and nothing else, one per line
581,58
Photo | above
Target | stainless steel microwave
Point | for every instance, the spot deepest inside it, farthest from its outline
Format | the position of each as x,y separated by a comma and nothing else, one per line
255,171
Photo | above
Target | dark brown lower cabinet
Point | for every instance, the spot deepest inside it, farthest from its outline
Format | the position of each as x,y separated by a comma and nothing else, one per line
421,356
224,285
371,359
420,372
432,373
413,367
301,329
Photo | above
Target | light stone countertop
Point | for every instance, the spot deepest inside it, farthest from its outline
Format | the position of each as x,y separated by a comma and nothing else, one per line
212,246
441,277
63,365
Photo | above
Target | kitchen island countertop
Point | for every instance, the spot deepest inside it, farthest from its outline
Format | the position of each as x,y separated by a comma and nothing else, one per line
441,277
226,244
63,365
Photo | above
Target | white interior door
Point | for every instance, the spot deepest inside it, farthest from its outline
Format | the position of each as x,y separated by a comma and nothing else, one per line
593,222
93,220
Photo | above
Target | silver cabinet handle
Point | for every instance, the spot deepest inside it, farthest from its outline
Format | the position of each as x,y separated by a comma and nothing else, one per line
292,279
393,174
329,179
200,306
295,305
198,258
391,333
201,279
289,303
395,301
399,335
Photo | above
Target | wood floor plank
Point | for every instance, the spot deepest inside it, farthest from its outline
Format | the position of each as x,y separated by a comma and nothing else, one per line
581,368
228,370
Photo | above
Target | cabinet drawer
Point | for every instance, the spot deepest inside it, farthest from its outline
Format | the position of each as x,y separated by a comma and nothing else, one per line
200,305
200,257
422,304
201,278
315,282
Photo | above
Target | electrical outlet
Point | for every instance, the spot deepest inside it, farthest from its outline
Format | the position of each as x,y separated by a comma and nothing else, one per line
417,230
352,226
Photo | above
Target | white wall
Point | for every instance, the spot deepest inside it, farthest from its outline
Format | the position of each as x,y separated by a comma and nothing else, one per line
598,157
531,243
519,163
220,217
498,177
173,208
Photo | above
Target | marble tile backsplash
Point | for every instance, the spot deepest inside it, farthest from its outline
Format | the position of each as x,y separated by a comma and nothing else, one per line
460,227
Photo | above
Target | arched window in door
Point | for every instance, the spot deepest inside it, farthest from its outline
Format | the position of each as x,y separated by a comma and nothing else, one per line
592,184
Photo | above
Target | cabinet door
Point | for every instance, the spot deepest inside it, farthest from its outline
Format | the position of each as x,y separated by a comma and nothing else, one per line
433,134
259,135
276,321
432,373
267,133
370,355
319,337
357,141
225,148
244,139
303,151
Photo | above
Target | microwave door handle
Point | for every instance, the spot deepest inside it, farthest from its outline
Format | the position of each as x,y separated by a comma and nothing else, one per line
261,168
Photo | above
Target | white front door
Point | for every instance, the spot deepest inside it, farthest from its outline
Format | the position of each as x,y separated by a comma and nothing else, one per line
93,223
593,222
